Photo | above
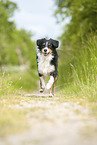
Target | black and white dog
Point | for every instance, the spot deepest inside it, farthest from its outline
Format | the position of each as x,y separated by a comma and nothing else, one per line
47,62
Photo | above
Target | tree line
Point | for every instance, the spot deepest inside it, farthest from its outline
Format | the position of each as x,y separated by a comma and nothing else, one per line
16,45
79,38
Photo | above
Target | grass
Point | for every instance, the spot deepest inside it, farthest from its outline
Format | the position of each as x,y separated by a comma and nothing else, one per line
79,78
85,73
12,84
14,118
11,119
82,89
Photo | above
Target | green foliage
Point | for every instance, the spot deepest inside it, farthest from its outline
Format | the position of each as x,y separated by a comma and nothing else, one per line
16,50
83,21
78,55
6,11
16,46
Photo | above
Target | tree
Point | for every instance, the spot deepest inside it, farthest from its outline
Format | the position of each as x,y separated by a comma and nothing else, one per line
83,15
82,25
16,45
7,9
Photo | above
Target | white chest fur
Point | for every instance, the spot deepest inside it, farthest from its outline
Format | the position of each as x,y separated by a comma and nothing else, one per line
44,66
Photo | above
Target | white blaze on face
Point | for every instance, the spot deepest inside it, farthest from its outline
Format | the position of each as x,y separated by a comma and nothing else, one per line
46,50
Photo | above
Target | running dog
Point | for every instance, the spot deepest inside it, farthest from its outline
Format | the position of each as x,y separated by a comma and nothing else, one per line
47,63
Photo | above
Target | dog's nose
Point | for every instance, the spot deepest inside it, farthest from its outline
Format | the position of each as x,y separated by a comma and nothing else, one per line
45,50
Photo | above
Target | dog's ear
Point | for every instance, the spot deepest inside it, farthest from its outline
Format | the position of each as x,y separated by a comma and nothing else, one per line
55,43
40,41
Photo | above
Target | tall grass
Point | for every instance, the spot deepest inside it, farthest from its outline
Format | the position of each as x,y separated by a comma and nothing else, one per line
85,72
16,82
5,85
78,71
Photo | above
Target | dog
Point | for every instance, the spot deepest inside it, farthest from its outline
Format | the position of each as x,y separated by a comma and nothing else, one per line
47,63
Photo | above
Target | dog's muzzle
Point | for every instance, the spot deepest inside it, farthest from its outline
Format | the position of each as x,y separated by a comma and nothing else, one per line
45,51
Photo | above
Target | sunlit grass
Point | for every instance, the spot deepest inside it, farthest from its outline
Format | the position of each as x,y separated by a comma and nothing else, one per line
12,120
13,84
85,73
18,82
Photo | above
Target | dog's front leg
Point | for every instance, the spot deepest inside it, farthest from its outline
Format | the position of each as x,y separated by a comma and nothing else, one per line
42,83
50,82
50,85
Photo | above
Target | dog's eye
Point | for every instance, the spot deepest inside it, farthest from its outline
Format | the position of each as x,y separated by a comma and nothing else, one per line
43,44
48,45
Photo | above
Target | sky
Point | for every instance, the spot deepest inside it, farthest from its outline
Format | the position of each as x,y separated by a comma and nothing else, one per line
37,16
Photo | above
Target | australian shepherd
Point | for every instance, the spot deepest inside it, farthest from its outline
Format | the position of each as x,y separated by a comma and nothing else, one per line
47,63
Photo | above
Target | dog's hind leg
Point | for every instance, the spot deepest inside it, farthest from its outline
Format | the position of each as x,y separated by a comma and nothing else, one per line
42,83
52,91
52,88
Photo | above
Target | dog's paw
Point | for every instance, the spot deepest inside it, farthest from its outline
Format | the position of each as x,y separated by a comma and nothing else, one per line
51,95
41,90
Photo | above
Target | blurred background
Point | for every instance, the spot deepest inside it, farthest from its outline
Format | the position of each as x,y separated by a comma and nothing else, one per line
72,22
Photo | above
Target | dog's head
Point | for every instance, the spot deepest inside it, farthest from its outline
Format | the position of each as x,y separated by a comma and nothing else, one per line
47,47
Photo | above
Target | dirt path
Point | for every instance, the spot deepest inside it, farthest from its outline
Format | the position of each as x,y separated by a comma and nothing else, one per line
54,121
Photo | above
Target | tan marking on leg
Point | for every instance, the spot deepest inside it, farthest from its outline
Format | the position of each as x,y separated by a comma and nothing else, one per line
51,91
55,79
